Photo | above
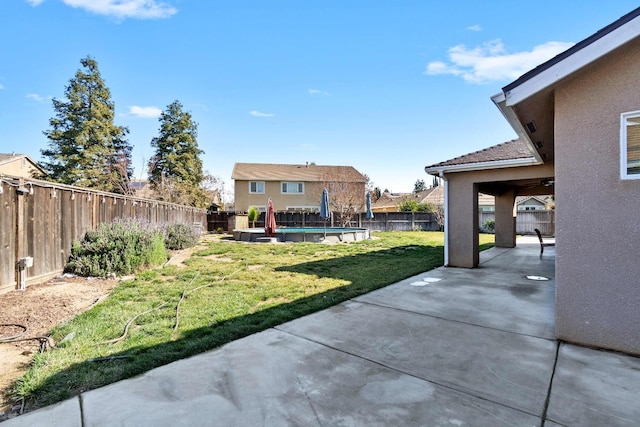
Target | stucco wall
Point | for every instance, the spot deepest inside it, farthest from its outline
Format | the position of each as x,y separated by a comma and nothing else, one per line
243,200
310,199
18,168
597,224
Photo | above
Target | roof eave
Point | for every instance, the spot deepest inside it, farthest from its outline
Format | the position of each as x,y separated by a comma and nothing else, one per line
496,164
509,114
574,59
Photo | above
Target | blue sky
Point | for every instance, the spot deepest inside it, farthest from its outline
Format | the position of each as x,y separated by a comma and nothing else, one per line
385,86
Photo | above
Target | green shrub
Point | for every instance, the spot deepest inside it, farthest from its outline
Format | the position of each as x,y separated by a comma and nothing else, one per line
412,205
252,215
180,236
120,247
489,226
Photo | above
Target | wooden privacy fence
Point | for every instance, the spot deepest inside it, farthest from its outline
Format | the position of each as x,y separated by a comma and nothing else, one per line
527,221
41,220
391,221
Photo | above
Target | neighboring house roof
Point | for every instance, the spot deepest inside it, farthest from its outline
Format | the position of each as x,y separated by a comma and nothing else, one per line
388,201
306,173
138,184
511,153
433,195
142,188
9,158
392,200
540,200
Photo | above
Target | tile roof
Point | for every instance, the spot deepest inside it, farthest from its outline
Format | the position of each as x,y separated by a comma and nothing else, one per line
510,150
307,173
433,195
390,200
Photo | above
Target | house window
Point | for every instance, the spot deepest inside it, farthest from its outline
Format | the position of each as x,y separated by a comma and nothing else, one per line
292,188
630,145
256,187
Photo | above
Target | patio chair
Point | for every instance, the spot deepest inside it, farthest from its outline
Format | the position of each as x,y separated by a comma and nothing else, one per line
543,244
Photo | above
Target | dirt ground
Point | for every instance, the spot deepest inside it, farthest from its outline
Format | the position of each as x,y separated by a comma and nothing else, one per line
42,306
39,308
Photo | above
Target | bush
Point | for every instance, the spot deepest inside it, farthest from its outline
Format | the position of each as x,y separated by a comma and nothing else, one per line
120,247
180,236
489,226
252,215
412,205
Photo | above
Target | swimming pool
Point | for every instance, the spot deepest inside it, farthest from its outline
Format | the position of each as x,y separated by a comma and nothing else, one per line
305,234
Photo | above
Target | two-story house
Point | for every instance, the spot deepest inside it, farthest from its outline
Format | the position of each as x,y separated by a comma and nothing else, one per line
296,187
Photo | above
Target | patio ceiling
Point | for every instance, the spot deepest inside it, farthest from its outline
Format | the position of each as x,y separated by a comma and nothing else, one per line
523,187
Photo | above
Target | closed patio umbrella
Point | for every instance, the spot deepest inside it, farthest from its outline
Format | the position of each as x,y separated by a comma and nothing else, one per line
270,220
369,213
325,211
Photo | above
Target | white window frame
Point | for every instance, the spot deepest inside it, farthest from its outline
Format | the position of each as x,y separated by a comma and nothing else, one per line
257,183
624,117
298,184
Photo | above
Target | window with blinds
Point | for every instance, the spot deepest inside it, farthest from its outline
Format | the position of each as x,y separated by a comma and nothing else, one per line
630,145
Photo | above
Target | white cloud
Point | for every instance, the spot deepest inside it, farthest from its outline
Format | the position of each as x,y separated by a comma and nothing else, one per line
145,112
34,2
259,114
1,86
491,61
318,92
474,28
139,9
37,98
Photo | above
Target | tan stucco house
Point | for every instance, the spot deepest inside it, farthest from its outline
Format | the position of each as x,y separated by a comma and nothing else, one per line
533,203
577,117
19,165
295,187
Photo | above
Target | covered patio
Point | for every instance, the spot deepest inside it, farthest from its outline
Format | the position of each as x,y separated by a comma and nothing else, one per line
505,171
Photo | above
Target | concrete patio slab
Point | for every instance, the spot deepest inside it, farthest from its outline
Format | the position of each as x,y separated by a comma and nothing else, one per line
510,369
63,414
595,388
496,295
276,379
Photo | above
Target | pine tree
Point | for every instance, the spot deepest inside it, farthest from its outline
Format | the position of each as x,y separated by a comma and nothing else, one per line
175,170
85,147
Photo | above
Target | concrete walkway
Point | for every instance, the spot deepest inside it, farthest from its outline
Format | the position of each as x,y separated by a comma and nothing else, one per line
450,347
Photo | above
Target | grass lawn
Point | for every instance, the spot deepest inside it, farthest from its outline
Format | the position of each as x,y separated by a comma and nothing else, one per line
226,291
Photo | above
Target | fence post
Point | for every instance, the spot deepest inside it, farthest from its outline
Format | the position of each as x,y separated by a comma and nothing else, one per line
19,230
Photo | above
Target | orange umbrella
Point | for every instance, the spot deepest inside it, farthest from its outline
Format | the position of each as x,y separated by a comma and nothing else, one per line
270,220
